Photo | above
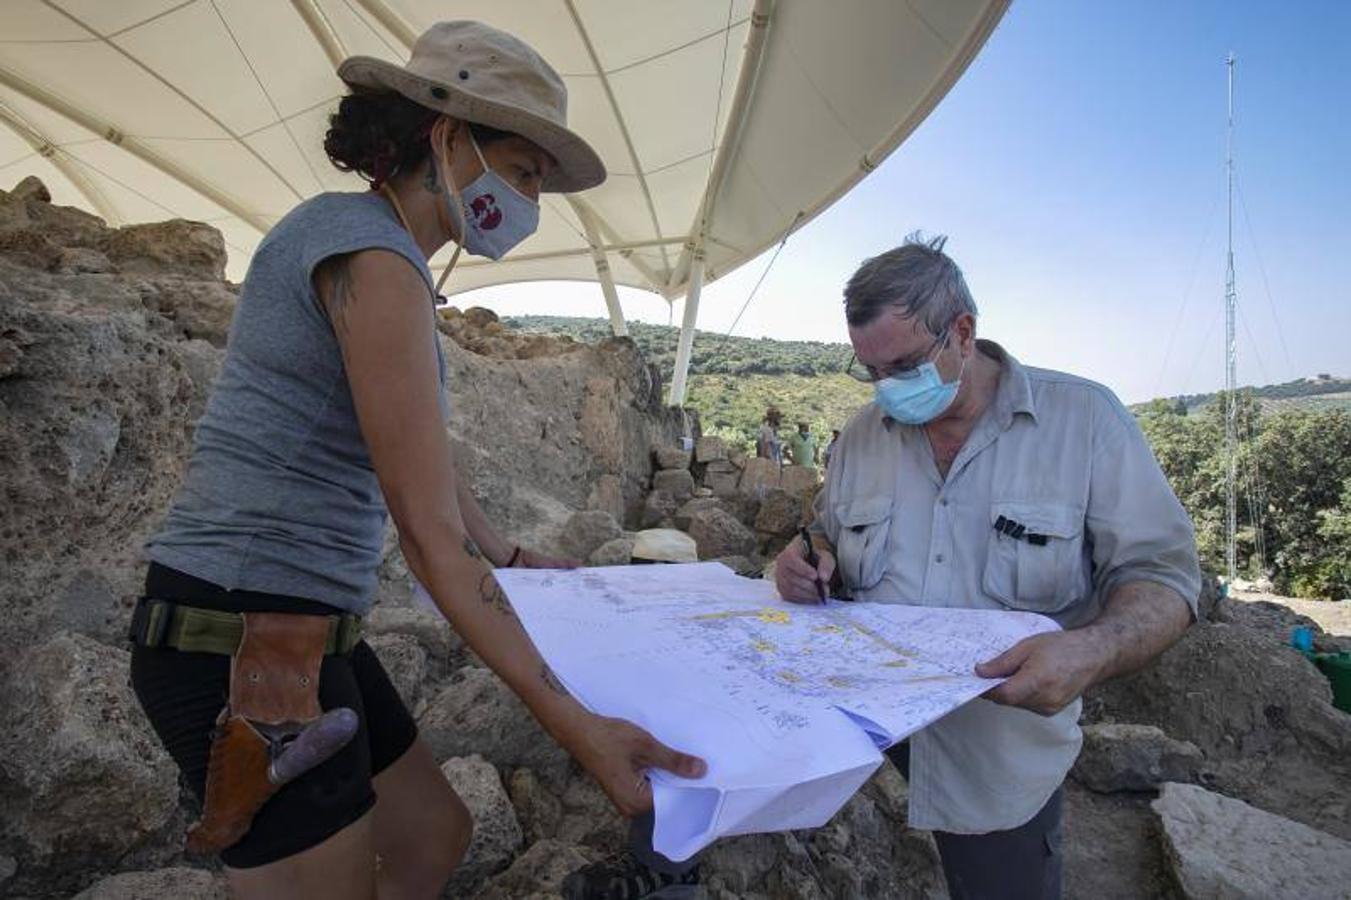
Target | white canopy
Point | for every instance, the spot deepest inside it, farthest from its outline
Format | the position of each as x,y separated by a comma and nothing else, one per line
724,123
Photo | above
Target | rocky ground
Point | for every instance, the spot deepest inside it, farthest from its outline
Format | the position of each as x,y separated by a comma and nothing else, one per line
1222,771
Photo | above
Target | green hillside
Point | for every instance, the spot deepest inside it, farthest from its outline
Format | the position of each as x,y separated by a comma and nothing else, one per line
1294,521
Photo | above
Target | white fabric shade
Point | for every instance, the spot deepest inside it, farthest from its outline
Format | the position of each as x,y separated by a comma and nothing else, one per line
723,123
215,110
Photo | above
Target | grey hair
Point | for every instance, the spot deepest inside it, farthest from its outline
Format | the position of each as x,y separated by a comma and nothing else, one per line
917,278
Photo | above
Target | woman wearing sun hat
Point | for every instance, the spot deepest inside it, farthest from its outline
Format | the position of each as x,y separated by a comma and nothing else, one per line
328,411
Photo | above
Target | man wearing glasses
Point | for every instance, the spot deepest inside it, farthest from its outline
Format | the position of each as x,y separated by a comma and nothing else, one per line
974,481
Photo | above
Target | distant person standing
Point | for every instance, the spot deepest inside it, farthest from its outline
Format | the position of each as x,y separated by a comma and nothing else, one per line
768,445
802,446
825,455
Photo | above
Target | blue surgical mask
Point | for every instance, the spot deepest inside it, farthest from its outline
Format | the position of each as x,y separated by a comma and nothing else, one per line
918,398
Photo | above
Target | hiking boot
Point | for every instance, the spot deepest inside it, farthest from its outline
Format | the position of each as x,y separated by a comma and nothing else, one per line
622,877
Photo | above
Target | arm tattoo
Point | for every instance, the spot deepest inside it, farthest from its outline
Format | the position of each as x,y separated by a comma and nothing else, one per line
492,594
547,674
472,548
333,278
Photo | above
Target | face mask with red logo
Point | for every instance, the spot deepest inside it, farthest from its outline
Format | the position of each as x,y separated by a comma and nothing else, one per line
496,215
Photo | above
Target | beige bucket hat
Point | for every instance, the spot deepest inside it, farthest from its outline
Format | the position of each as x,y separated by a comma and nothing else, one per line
477,73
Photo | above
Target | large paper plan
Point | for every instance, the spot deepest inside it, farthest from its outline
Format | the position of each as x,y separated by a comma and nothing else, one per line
789,704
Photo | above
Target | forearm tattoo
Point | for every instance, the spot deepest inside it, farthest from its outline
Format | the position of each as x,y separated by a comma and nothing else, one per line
547,674
472,548
492,594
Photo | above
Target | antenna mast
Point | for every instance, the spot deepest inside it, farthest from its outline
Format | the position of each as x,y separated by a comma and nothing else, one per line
1231,355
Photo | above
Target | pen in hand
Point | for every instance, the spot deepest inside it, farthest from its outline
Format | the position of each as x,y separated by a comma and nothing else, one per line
814,561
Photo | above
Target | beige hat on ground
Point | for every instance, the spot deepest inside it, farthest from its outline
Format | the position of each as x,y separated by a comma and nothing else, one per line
477,73
665,545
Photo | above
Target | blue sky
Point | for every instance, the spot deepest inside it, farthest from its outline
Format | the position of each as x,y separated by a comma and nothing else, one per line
1078,169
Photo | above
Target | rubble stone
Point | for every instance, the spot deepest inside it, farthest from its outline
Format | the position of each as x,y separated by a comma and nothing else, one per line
618,552
759,476
1133,758
497,834
587,530
672,458
679,483
1217,846
179,881
717,532
709,448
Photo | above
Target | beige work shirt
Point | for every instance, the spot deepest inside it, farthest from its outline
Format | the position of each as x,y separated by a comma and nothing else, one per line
1056,454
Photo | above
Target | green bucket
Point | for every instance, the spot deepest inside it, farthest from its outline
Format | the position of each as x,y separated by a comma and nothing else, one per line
1337,667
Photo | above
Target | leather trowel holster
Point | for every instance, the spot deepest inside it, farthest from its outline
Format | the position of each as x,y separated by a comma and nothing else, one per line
272,728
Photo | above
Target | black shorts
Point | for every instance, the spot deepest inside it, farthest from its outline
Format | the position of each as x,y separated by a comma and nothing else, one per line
182,693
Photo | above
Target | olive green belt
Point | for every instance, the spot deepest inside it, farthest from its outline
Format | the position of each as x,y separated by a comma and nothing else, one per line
161,623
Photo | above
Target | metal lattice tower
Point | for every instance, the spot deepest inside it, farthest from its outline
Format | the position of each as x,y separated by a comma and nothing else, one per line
1231,356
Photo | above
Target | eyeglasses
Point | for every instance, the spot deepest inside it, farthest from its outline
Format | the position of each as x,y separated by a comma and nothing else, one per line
869,375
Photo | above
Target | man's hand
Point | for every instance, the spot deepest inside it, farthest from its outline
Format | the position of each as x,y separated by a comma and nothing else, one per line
1046,672
529,559
796,579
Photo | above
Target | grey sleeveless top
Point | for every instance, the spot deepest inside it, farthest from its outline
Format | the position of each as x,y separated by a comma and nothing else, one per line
280,495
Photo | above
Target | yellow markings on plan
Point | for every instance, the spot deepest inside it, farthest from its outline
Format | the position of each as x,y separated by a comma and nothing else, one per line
769,615
789,676
896,664
763,646
839,681
827,629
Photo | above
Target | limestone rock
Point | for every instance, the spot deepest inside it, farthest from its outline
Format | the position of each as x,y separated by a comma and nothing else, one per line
405,661
31,188
671,457
179,881
797,480
664,545
618,552
82,777
537,874
685,514
759,476
1260,713
1133,758
780,513
176,247
445,649
476,713
679,483
537,809
607,494
1220,847
721,477
587,530
480,316
497,834
589,817
83,261
658,509
717,532
709,448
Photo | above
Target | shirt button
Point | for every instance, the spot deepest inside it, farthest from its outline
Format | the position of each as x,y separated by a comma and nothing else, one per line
938,558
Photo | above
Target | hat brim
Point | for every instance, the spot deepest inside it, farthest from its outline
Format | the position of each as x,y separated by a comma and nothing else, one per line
579,167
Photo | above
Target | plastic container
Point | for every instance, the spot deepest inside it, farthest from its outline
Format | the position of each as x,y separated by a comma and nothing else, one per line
1337,667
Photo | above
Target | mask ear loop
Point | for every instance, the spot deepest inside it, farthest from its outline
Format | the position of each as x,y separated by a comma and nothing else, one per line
452,197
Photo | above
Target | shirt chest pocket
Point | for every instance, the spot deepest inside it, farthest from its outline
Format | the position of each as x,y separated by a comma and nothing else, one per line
861,549
1042,569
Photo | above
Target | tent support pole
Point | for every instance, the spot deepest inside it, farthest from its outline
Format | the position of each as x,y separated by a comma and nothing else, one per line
686,345
603,273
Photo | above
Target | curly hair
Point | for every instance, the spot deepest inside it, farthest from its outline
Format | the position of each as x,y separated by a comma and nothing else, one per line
380,134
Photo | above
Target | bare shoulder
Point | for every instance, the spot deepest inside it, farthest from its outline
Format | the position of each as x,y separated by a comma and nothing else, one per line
343,279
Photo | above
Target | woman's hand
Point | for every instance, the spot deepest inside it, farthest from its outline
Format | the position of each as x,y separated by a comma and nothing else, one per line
529,559
618,754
